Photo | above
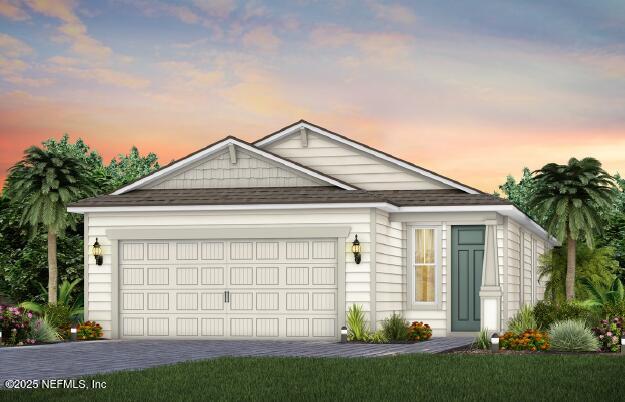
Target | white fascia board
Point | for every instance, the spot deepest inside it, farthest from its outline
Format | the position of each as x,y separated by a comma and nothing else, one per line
370,151
246,207
506,210
222,145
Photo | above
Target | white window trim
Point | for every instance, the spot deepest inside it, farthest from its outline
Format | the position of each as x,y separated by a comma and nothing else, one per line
412,304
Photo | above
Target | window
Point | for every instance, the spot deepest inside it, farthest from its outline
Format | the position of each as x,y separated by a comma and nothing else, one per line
425,265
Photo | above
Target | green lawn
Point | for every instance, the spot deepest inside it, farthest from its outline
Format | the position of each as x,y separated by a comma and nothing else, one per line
415,377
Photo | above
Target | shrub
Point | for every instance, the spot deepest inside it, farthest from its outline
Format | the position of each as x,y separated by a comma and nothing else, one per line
482,340
89,330
42,331
609,334
395,328
356,323
547,313
531,339
418,331
522,321
59,318
375,337
572,336
15,325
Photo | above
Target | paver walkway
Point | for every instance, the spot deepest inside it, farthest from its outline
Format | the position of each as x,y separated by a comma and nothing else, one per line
66,360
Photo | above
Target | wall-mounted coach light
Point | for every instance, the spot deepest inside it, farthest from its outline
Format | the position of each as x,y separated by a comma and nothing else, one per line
97,252
356,250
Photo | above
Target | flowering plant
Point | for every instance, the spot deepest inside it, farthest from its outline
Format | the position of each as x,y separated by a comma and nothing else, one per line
89,330
419,331
609,334
531,339
15,325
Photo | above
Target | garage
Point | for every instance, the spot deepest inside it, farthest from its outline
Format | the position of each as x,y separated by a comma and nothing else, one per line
261,288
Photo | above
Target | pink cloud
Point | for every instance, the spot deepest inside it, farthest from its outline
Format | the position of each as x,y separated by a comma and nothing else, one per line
262,38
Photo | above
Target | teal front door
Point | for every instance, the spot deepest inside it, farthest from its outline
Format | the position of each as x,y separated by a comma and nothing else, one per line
467,256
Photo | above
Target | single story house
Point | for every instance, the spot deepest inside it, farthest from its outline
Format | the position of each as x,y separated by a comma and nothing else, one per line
258,240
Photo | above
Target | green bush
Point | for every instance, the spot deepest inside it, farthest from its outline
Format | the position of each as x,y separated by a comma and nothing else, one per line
42,331
572,336
356,323
375,337
522,321
395,328
59,318
482,340
547,313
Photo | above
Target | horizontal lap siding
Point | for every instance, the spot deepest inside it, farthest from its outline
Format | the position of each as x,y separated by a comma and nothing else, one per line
390,275
99,288
349,165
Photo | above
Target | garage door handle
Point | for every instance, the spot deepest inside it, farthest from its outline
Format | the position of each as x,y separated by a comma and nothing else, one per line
227,296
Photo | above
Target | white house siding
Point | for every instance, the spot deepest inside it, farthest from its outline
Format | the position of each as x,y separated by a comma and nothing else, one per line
390,262
524,253
99,292
248,171
347,164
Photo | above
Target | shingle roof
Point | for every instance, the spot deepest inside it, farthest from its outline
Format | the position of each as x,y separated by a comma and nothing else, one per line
289,195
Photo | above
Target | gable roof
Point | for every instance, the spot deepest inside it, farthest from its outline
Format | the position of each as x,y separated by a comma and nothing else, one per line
220,145
294,128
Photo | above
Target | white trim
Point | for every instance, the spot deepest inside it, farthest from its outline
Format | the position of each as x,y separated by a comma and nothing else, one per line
505,210
410,249
219,146
362,148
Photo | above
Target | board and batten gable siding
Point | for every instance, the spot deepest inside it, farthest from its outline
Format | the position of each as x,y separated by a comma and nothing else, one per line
390,275
349,165
247,171
524,252
99,289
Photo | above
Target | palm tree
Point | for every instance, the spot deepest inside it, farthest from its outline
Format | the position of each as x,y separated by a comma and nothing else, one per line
42,184
610,301
569,198
75,306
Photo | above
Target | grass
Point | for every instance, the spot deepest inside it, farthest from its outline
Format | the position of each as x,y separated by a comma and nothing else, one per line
408,377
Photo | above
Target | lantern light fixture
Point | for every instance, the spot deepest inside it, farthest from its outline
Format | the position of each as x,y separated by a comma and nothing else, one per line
356,250
623,344
74,333
494,343
96,251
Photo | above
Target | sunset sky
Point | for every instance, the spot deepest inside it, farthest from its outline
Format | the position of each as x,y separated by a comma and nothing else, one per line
473,90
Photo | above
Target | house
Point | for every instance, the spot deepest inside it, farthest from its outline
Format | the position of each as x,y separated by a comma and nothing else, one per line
256,240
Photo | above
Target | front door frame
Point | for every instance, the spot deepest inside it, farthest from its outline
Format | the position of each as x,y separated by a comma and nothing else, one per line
451,246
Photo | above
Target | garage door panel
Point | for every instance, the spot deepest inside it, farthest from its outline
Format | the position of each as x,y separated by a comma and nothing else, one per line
267,301
242,327
186,301
213,327
132,276
213,251
267,327
158,301
158,251
276,288
241,276
158,276
241,300
186,276
297,276
213,301
158,326
212,275
186,326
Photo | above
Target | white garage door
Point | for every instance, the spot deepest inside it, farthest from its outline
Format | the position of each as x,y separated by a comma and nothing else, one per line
228,288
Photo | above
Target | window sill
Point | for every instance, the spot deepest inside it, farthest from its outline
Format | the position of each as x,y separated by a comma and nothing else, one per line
436,306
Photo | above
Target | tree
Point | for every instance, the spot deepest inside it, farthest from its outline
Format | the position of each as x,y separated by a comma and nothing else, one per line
125,169
520,194
43,183
613,234
569,197
596,265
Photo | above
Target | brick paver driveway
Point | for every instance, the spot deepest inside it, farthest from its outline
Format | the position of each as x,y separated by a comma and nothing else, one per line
84,358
